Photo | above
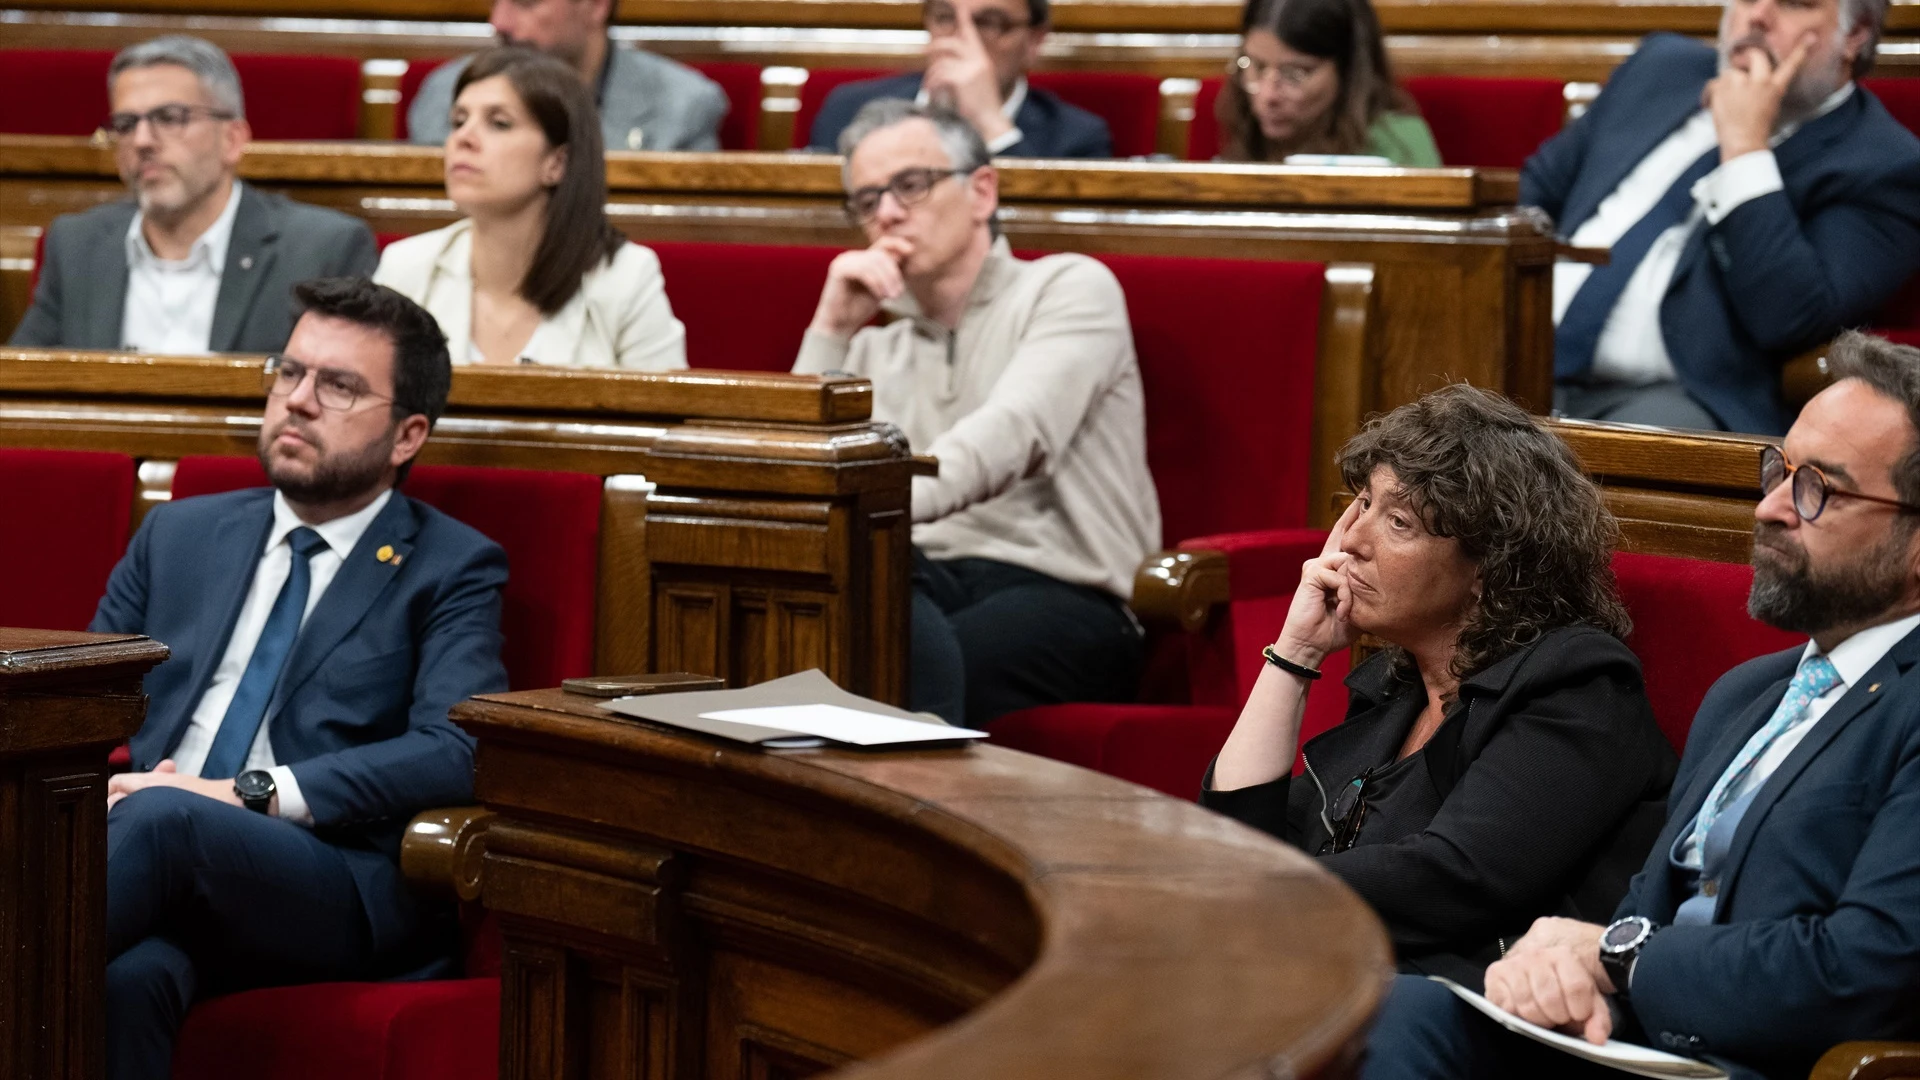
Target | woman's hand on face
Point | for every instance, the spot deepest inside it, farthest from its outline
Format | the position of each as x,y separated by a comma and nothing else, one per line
1318,621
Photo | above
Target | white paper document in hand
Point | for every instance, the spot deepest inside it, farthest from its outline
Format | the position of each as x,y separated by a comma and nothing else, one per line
844,725
1625,1056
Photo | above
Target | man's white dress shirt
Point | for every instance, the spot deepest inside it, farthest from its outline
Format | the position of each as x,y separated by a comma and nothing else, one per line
340,534
1631,349
169,306
1009,108
1852,658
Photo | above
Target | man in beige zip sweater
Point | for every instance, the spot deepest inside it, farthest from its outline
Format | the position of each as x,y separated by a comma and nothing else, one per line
1020,378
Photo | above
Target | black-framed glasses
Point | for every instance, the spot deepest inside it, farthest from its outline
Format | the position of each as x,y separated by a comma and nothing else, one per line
334,389
1251,73
991,25
909,187
1811,488
167,120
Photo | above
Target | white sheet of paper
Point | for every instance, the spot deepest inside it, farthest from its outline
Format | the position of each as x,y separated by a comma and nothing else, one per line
1628,1057
845,725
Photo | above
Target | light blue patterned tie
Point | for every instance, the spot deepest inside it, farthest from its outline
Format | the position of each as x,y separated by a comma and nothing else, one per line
1815,677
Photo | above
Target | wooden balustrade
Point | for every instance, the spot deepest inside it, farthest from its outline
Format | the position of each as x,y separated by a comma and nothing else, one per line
674,907
1461,283
751,525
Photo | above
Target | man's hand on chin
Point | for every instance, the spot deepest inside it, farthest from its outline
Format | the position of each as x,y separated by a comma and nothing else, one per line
1552,977
121,785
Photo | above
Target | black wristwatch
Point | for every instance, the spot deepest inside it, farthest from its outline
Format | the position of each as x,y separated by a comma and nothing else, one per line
256,789
1620,946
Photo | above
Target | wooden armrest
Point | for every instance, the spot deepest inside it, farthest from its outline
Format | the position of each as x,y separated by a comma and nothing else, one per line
1180,587
1804,376
1869,1061
1592,256
442,851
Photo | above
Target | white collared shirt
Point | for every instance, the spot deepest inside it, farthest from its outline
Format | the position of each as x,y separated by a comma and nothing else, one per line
1852,658
1631,348
170,302
1009,108
276,561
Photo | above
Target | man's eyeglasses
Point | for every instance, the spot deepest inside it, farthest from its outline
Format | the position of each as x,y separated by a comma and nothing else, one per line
1251,73
909,187
991,25
336,390
167,120
1811,488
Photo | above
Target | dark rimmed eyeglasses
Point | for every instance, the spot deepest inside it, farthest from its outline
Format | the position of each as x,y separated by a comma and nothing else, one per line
1811,488
339,391
909,187
166,120
942,19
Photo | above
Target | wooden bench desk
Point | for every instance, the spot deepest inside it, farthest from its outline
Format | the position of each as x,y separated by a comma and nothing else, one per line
751,525
1461,287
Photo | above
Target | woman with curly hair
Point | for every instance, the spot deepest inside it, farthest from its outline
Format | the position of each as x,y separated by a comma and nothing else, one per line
1498,761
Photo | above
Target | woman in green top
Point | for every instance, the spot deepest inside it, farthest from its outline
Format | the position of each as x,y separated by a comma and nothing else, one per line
1312,78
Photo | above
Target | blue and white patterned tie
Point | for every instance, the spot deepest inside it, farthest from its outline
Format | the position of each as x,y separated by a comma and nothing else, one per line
1816,676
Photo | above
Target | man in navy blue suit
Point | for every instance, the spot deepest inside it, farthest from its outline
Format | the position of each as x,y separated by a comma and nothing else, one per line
1778,911
1756,201
320,631
978,55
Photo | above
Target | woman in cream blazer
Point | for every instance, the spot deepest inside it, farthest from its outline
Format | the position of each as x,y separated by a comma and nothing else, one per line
534,274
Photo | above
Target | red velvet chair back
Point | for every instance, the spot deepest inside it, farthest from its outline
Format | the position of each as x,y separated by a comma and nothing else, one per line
1475,121
1129,103
410,80
745,306
1901,96
547,522
813,93
1690,626
64,92
1227,353
64,517
741,82
1489,123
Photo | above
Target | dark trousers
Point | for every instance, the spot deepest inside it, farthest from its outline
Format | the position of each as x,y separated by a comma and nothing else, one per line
1424,1032
1665,404
990,638
206,898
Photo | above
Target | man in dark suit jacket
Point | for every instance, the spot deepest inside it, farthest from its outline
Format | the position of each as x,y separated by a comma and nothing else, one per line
978,55
1778,910
319,633
1756,202
195,261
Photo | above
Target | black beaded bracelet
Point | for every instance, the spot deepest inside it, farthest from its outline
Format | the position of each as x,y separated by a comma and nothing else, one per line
1289,666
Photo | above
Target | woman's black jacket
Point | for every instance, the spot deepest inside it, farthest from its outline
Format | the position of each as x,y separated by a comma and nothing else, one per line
1539,794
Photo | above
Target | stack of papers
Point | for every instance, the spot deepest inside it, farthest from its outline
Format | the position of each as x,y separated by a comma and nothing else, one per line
1625,1056
794,712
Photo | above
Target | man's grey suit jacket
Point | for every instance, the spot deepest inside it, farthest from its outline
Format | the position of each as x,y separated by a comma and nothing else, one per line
647,102
276,244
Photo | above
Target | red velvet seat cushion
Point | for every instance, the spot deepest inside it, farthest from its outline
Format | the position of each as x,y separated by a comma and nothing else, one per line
705,284
1690,626
64,520
1128,102
64,92
547,522
446,1030
741,83
1901,96
1475,121
813,94
1164,747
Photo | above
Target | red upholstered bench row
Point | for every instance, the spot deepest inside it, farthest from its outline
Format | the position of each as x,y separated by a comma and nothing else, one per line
58,92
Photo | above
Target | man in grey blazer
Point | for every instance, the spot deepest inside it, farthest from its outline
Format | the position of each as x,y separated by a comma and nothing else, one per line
647,102
195,261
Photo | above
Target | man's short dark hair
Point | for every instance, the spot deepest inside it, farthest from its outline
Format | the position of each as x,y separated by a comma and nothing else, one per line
1893,371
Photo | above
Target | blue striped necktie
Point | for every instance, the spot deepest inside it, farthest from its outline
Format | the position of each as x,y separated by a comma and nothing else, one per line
1815,677
1578,334
234,740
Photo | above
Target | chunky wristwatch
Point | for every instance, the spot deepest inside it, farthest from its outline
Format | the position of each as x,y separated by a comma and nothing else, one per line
256,789
1620,946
